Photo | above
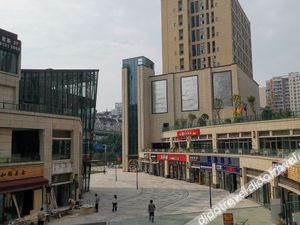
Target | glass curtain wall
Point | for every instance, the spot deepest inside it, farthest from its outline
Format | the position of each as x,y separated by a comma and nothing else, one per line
64,92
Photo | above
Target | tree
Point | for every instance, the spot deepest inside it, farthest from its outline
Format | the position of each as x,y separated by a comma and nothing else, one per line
251,101
183,122
237,104
191,118
202,119
218,106
177,123
267,113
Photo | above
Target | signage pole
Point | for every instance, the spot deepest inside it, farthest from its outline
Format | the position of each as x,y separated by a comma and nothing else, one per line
116,173
105,153
137,177
210,200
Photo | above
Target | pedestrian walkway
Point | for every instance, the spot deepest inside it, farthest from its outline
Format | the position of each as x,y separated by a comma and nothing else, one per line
177,202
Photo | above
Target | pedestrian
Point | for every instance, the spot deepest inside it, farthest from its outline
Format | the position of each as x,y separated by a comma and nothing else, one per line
151,209
41,217
97,200
114,204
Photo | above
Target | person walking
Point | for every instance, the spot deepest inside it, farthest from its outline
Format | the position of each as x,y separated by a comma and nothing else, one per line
97,200
114,204
151,209
41,217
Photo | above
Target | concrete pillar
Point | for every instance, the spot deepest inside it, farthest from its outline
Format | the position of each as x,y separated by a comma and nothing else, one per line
188,169
214,142
243,179
166,168
255,140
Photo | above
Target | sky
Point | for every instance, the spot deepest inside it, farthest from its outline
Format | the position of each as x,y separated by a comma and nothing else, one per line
98,34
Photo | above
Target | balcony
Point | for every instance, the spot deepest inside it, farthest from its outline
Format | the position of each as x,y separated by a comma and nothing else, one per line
279,153
240,119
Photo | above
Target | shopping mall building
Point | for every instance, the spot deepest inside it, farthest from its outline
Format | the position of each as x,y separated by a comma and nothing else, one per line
40,150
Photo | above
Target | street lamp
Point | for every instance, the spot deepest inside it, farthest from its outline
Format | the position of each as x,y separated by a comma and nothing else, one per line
209,180
116,178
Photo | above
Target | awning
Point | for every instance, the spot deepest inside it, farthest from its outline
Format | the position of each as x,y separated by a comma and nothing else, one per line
24,183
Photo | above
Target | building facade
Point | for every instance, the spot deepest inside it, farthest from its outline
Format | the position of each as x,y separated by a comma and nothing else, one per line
40,154
205,33
282,92
133,77
64,92
162,100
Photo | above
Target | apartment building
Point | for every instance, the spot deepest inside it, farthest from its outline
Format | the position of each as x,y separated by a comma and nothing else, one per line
198,34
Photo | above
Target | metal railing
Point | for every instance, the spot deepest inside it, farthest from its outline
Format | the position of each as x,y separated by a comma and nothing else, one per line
37,108
275,153
232,120
19,158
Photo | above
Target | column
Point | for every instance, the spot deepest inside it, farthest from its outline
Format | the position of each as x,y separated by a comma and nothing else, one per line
167,175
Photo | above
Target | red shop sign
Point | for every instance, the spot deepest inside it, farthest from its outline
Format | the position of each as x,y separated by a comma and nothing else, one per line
190,132
172,157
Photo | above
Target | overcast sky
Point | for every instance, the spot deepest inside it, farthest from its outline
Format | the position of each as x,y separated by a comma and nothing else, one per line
98,34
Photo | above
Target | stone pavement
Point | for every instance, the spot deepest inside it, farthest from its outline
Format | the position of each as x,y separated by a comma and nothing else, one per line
177,202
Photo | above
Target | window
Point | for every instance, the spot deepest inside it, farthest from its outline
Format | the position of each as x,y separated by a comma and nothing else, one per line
180,20
213,32
189,93
213,46
207,4
222,87
202,34
202,48
180,34
212,17
8,61
207,18
208,33
181,49
159,96
193,36
212,3
61,149
208,47
194,50
180,5
192,7
182,64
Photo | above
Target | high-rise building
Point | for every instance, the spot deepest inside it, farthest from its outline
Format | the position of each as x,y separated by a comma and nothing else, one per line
283,92
64,92
117,111
133,123
205,33
262,97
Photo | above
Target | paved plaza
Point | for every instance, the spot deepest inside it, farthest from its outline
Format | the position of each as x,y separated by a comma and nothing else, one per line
177,202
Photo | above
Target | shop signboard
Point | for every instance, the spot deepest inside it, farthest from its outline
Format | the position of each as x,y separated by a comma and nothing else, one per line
9,43
188,133
153,157
228,218
194,158
18,172
227,168
205,165
294,173
60,168
172,157
275,165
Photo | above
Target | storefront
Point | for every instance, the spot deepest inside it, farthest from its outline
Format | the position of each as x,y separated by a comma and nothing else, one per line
63,184
154,166
194,169
263,194
145,163
21,191
228,177
176,164
205,173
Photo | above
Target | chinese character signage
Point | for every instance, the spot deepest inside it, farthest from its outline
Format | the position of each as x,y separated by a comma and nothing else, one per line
59,168
9,43
190,132
194,158
206,165
294,173
8,173
172,157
